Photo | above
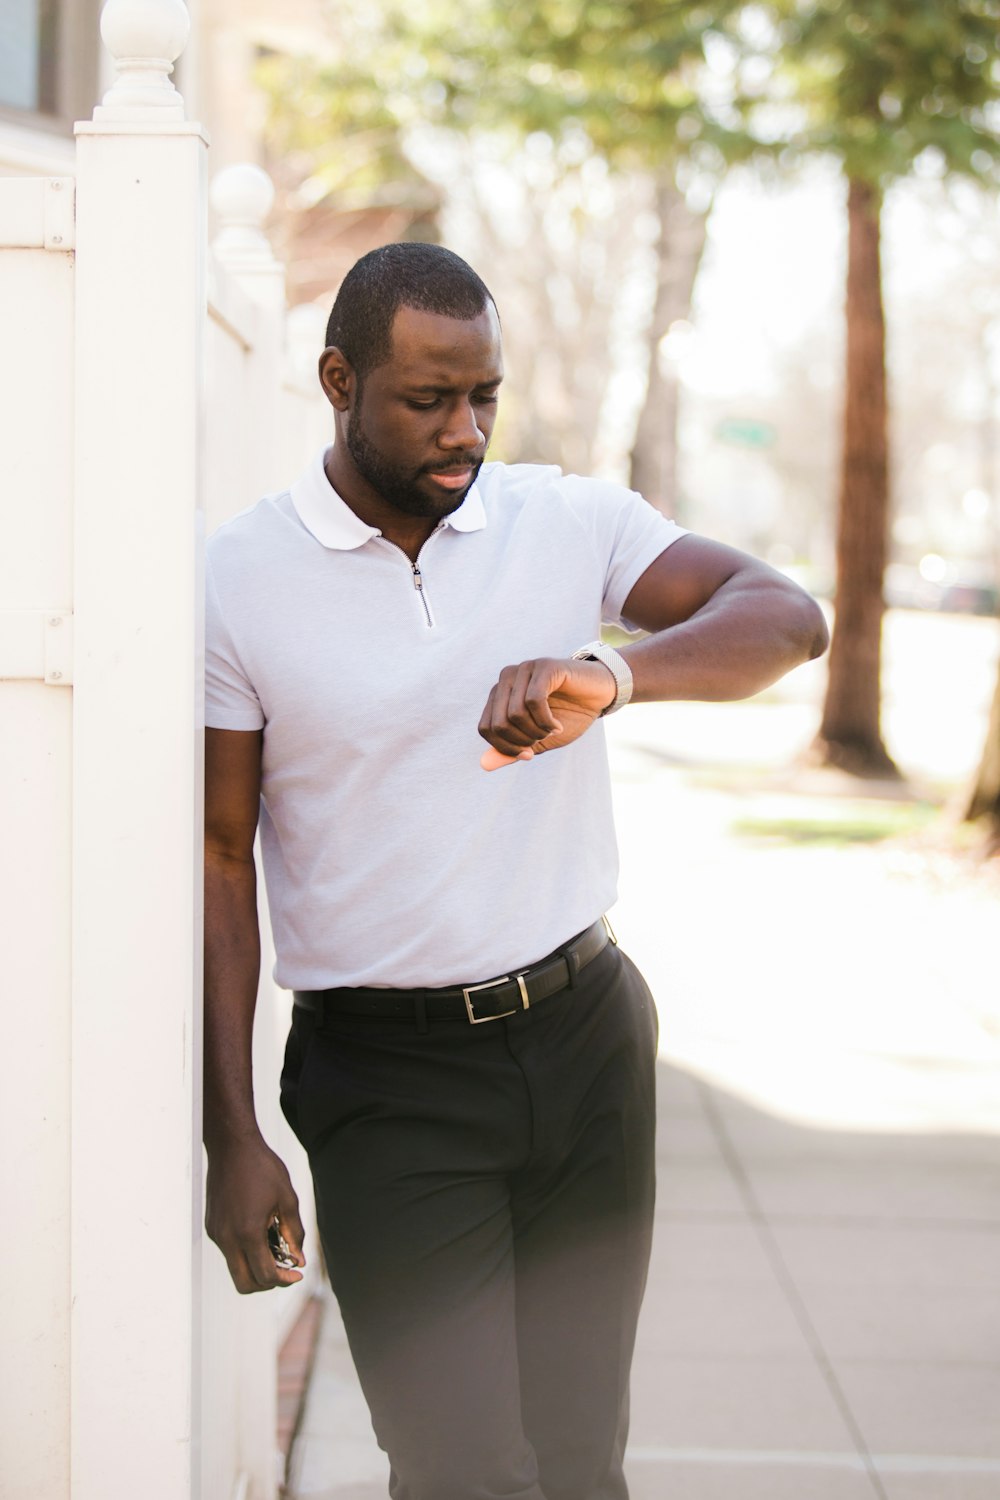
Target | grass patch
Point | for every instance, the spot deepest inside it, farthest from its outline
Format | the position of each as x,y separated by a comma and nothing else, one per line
840,826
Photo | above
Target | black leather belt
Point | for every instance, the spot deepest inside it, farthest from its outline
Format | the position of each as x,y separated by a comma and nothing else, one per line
473,1002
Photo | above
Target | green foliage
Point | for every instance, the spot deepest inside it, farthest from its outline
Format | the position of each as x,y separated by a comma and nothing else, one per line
634,76
340,133
883,83
638,78
878,84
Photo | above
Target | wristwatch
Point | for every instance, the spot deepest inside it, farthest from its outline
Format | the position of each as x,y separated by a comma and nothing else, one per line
616,665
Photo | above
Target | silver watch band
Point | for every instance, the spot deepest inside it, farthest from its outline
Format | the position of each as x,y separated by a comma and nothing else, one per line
616,665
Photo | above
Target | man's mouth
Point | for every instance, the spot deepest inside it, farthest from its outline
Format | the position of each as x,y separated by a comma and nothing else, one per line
453,478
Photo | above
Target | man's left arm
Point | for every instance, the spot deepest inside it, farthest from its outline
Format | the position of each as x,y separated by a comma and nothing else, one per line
722,625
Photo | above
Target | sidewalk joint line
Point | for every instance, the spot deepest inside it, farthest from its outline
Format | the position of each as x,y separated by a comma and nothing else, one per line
784,1277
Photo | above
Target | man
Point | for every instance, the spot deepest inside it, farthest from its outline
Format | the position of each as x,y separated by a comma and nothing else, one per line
470,1066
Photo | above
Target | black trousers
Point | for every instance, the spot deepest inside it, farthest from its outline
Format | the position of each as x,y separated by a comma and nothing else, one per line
485,1203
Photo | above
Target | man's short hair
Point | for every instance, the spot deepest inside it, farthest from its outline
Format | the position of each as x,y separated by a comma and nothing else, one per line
406,274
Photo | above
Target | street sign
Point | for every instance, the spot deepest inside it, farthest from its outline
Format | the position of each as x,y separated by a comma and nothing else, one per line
746,432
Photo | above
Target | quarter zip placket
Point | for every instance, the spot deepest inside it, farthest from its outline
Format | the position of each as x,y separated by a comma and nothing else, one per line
418,577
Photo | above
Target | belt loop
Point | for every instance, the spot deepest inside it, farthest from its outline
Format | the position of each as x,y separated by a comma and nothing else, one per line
420,1011
569,958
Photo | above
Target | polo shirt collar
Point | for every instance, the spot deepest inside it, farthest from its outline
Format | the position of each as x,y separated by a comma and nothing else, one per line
333,523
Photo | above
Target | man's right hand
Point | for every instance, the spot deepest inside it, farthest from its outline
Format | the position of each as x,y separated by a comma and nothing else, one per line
247,1186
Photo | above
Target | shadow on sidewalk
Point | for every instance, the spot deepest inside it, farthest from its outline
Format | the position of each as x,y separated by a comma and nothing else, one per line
822,1320
823,1311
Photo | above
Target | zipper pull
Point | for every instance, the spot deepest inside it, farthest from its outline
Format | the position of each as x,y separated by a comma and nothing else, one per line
418,584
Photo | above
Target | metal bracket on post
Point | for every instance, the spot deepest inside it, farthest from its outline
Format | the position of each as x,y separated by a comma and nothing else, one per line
59,650
36,645
60,213
38,213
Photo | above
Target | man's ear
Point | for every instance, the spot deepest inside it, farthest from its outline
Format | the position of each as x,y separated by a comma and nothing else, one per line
337,377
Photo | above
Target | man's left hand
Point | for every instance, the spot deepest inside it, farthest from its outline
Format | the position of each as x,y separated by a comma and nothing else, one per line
541,705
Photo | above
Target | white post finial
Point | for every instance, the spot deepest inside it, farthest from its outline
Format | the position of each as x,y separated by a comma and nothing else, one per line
145,38
242,197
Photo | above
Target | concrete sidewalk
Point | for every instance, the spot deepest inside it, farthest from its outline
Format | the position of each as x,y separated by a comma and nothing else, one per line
822,1320
823,1317
823,1314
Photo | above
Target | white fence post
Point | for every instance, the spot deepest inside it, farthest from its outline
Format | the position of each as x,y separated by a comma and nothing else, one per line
244,360
241,197
137,776
36,590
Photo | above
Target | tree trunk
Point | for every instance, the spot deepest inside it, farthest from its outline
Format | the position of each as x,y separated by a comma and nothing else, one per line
983,799
850,735
682,240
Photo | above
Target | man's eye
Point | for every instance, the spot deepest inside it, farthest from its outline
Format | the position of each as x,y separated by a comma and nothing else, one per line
490,400
423,405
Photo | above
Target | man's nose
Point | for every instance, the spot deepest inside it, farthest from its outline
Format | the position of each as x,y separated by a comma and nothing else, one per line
462,428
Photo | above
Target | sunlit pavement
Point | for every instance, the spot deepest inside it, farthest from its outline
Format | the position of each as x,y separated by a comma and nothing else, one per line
823,1314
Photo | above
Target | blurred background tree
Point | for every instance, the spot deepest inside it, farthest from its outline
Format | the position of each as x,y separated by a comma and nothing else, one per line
983,800
880,87
618,114
646,86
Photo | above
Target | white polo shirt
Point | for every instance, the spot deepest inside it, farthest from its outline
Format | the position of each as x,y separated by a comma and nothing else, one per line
390,857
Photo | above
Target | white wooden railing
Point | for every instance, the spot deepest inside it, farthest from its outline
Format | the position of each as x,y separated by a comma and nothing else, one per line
149,387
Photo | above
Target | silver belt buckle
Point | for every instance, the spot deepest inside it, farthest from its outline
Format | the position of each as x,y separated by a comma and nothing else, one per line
491,984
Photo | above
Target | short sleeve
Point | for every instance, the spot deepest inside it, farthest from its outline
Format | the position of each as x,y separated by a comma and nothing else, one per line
230,699
628,533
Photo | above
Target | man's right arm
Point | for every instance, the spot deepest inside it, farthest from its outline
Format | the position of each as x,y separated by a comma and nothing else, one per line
247,1183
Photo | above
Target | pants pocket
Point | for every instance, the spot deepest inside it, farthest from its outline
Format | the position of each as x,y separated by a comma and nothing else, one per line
296,1053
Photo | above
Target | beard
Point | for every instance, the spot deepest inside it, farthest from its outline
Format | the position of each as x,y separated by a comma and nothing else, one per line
399,486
